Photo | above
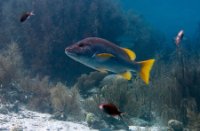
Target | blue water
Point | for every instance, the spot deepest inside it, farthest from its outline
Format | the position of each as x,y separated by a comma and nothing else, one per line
168,16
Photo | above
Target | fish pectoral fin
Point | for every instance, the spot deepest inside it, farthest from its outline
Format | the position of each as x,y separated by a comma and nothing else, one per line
105,55
130,53
126,75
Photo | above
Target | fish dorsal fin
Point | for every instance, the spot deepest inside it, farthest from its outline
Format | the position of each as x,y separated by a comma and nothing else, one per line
105,55
126,75
130,53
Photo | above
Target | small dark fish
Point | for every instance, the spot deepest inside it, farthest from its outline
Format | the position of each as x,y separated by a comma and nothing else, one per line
26,16
179,37
110,109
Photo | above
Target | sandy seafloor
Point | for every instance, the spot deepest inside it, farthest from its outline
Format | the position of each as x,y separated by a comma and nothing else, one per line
26,120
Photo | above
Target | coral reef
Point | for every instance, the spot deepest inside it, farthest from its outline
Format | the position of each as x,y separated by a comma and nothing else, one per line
194,120
88,84
173,78
11,72
57,24
33,71
175,125
11,64
119,92
36,93
170,95
65,102
43,96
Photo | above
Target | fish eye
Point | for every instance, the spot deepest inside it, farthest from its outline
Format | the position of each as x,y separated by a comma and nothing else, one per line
81,45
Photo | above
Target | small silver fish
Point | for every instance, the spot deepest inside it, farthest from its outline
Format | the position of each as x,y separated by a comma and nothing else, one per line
102,55
179,37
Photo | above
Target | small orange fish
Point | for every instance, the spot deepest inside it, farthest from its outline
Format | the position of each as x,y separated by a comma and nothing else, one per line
179,37
26,16
110,109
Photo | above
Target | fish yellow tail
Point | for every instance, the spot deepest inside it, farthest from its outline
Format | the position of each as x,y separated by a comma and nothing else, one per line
145,69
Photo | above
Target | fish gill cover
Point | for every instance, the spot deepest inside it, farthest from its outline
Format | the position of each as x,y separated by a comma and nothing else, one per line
35,71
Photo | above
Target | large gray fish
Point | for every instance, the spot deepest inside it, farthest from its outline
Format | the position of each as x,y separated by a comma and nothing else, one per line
103,55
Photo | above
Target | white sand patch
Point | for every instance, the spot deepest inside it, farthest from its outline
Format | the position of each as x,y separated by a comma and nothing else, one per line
34,121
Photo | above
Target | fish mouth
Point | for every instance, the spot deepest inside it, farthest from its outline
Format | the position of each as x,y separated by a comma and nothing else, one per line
69,52
101,106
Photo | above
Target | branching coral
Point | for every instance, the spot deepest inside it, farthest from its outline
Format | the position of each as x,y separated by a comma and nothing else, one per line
10,64
11,71
65,102
86,83
41,95
91,105
118,92
194,120
139,100
36,93
57,24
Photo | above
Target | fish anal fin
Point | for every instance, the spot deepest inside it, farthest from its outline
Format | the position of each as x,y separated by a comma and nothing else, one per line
126,75
130,53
